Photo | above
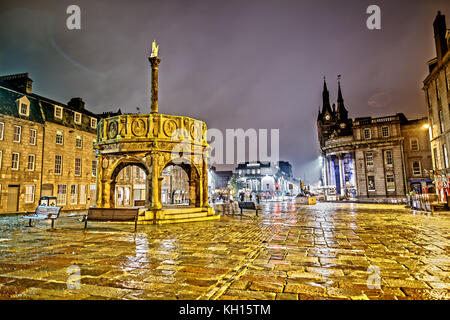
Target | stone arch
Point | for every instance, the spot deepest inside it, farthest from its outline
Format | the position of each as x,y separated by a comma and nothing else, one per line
194,176
119,166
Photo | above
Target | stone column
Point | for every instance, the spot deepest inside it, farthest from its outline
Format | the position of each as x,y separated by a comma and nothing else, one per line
205,184
331,170
156,199
341,174
154,61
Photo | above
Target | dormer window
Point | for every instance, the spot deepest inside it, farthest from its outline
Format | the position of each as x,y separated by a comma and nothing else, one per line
93,123
24,106
77,118
58,112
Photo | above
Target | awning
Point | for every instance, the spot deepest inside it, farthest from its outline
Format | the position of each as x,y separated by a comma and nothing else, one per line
420,180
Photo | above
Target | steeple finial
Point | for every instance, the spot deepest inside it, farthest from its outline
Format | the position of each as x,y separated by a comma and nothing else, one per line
339,89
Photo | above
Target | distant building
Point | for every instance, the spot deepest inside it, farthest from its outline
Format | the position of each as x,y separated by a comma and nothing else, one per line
437,87
221,178
372,158
45,149
268,178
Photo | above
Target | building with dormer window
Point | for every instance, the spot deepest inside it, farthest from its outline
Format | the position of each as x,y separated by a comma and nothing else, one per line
45,149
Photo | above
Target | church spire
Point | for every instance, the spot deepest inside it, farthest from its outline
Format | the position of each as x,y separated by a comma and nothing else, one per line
326,99
342,113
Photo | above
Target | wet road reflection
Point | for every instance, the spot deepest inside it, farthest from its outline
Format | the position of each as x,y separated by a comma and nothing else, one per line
288,252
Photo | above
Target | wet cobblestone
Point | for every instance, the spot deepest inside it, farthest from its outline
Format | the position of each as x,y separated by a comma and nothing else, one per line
288,252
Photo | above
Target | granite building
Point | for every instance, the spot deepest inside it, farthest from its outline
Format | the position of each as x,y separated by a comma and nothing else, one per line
45,149
436,88
371,158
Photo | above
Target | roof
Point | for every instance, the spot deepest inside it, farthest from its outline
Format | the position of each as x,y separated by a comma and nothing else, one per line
42,109
9,106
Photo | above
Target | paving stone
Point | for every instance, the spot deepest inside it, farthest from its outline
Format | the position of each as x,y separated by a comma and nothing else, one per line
321,252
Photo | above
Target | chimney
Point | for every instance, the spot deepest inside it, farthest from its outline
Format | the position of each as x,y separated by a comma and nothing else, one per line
21,82
76,103
439,36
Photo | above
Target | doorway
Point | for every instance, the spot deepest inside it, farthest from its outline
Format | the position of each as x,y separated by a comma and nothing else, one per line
13,198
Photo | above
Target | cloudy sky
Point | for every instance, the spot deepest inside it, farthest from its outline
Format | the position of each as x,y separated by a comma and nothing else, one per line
234,64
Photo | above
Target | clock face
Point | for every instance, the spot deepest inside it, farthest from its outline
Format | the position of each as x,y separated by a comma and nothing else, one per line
342,125
327,117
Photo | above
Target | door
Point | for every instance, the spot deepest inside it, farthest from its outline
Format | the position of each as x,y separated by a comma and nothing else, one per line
13,199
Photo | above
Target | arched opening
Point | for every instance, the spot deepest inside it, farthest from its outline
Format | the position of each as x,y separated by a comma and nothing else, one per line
129,186
175,188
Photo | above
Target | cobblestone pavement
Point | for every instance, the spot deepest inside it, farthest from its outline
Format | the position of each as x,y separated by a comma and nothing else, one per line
326,251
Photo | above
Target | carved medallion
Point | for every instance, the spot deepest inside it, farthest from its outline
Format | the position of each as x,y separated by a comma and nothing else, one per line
195,131
169,127
112,129
139,127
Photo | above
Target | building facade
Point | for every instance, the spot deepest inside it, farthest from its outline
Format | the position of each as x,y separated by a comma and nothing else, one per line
45,149
371,158
267,178
436,88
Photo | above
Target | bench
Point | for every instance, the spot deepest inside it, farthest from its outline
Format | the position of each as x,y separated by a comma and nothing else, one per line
111,214
44,213
248,205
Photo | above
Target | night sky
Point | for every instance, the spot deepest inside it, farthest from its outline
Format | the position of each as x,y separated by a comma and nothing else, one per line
234,64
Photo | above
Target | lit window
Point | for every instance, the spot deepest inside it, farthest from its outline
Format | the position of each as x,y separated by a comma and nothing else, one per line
388,157
78,166
94,168
32,137
367,134
73,194
15,158
17,133
385,132
58,112
79,142
1,157
59,137
414,142
369,159
58,164
2,128
29,193
416,168
61,195
31,161
24,109
390,182
444,150
93,123
371,183
77,117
